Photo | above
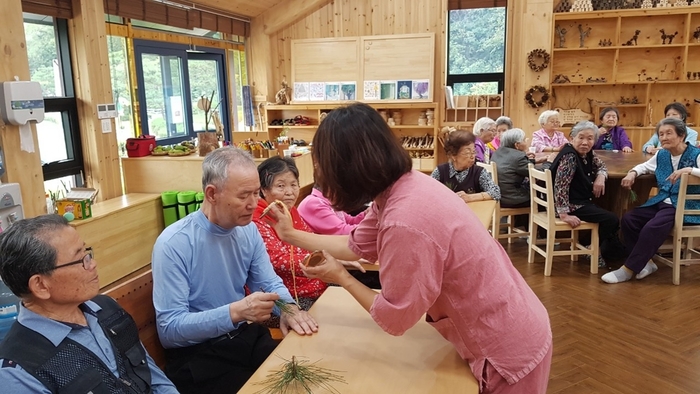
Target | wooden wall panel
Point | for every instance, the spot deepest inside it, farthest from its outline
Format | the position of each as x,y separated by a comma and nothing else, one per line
529,27
21,167
344,18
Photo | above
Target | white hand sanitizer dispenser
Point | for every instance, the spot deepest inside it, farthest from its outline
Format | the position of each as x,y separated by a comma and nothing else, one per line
21,102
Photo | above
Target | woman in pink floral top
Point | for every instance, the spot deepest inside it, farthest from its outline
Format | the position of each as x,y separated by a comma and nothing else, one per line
437,259
548,138
279,180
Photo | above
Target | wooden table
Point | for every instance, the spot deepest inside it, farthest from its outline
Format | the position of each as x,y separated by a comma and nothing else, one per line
616,199
483,210
372,361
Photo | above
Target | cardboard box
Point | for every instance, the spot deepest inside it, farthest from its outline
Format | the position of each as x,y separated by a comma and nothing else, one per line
81,208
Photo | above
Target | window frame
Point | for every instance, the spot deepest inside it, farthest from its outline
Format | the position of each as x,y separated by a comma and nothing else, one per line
181,51
67,106
499,77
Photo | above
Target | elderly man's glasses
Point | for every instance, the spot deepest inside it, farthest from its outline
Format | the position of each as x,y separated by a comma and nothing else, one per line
85,261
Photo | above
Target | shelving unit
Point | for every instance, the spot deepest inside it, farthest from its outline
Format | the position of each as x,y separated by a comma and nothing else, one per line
423,155
468,109
656,73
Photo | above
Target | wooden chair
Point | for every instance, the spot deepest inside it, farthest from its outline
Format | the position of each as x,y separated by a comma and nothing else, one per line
681,235
509,213
552,224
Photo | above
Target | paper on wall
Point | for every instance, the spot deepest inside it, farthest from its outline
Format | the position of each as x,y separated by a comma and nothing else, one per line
26,140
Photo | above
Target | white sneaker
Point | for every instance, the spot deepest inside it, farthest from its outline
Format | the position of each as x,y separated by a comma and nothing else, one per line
648,269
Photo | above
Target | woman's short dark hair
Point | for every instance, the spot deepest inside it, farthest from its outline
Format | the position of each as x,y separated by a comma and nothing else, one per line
25,251
270,168
680,108
357,156
608,109
457,139
678,125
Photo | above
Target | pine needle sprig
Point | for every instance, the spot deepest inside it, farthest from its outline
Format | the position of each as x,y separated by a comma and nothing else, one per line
300,376
633,196
283,306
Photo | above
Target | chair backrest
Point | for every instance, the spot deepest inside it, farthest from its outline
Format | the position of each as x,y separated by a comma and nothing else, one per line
683,196
541,185
491,169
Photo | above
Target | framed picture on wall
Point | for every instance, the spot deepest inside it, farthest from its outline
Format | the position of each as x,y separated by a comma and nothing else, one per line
317,91
301,91
404,90
421,89
332,91
348,91
387,90
371,90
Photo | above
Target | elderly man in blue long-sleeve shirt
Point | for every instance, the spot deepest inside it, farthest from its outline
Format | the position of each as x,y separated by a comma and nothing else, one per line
202,265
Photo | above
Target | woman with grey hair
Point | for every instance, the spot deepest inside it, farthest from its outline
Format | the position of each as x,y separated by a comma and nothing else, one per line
503,124
646,227
512,161
484,130
579,175
548,139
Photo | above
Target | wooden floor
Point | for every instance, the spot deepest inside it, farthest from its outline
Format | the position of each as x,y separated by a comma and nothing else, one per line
636,337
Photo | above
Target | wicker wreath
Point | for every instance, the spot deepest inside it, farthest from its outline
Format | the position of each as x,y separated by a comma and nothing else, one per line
533,59
529,96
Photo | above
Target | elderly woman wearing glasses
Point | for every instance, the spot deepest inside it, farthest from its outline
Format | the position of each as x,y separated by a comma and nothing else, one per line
470,182
485,130
503,124
279,181
548,139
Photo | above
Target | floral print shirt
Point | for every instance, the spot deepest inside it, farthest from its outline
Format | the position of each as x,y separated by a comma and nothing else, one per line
564,176
485,181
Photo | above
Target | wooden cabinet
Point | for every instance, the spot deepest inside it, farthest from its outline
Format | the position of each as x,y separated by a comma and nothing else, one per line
638,77
418,139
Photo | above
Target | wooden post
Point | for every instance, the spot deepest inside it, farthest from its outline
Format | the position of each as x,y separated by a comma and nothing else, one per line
94,86
21,167
523,37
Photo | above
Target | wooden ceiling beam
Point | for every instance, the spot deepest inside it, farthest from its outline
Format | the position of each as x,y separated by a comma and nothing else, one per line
289,12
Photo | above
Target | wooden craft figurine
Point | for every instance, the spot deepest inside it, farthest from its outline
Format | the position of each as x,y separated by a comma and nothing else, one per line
696,33
668,37
584,34
633,40
284,95
562,35
647,4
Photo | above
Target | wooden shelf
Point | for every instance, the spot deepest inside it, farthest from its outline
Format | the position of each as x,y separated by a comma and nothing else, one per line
420,149
293,127
621,65
401,126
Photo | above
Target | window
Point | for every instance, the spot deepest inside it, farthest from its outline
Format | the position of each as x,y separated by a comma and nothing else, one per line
239,79
172,78
476,50
50,65
121,90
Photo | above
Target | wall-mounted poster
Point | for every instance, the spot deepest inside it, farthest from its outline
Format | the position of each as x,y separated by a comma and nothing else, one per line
301,91
403,90
347,91
317,91
421,89
332,91
372,90
387,90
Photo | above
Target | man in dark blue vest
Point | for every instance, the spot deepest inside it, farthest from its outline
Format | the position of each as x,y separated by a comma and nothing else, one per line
67,338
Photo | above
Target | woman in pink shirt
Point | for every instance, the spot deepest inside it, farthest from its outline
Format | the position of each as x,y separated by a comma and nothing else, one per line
548,138
319,215
436,258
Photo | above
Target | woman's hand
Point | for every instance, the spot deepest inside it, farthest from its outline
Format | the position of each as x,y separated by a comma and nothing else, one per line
530,155
627,149
354,264
280,222
628,180
676,175
651,150
599,186
330,271
571,220
602,130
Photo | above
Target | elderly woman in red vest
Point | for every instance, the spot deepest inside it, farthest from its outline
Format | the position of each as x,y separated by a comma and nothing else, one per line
470,182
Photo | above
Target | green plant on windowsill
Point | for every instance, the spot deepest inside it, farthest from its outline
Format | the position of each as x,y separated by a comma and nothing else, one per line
205,104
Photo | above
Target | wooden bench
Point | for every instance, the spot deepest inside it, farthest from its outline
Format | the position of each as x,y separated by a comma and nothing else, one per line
135,295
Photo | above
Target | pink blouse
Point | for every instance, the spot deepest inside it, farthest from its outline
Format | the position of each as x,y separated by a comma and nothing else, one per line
320,216
540,140
437,258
